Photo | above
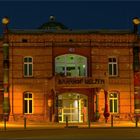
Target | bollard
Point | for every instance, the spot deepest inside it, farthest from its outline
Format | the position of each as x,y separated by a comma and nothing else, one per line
5,123
136,118
111,120
24,122
88,123
66,121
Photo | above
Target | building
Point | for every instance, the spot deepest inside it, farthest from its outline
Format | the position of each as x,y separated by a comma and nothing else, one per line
54,73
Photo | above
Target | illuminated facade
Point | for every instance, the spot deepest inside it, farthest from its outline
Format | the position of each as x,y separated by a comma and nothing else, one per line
54,72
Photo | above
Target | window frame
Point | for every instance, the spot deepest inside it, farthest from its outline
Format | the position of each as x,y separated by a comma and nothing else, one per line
75,64
112,67
28,99
28,66
113,99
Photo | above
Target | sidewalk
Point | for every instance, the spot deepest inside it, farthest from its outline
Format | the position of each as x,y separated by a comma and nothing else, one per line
45,125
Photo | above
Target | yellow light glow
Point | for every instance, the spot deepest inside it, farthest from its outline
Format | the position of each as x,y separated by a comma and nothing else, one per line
49,102
5,20
136,21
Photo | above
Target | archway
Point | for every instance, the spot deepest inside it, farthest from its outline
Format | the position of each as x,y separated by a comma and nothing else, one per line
71,65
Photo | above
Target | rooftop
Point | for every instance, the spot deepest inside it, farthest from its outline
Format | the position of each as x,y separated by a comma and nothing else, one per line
68,31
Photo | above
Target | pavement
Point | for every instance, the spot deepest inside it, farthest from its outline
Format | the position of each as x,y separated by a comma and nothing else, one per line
124,130
20,125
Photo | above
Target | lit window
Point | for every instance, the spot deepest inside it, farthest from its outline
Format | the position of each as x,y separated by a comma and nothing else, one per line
28,101
71,65
28,66
112,66
113,102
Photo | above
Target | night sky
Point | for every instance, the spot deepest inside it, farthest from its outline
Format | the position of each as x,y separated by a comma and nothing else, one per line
73,14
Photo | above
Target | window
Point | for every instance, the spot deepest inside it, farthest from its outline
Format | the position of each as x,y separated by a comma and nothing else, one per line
71,65
28,101
24,40
113,102
28,66
113,66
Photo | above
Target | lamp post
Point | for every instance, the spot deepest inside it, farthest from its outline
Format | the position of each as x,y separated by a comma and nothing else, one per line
6,104
50,109
136,22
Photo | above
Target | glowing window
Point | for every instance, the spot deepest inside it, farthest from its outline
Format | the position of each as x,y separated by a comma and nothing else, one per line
28,66
113,102
28,101
71,65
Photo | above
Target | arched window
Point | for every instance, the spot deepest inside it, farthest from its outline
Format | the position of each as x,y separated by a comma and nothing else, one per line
71,65
28,66
28,103
113,102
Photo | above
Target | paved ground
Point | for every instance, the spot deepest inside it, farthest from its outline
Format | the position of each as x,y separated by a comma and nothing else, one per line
34,125
56,131
74,134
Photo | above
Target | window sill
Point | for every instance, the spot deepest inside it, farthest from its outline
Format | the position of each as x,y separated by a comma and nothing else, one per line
28,76
114,76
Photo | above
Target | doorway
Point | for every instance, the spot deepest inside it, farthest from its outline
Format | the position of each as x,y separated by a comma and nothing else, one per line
74,106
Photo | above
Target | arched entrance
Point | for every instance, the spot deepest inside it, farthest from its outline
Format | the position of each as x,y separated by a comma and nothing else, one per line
74,106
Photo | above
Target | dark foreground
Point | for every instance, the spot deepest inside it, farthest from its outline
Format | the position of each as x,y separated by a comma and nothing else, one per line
73,134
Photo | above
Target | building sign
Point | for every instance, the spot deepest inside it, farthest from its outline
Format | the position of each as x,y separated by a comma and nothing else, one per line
80,82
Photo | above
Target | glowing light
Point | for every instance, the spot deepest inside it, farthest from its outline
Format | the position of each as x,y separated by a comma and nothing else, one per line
5,20
49,102
76,103
84,66
136,21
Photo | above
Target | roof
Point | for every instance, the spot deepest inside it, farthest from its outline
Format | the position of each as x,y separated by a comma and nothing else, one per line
52,24
68,31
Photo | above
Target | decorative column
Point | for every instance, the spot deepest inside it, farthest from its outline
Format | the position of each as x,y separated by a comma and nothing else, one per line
97,115
6,104
106,112
50,108
56,108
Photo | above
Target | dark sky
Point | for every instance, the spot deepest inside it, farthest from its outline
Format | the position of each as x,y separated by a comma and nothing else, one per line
74,14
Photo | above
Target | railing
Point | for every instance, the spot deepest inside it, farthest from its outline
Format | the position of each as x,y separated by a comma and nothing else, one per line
115,120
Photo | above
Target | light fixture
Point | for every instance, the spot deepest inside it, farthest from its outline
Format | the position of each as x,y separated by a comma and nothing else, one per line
5,20
50,102
136,20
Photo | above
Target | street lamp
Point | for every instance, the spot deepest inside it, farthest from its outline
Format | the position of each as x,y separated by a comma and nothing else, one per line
136,22
5,20
6,104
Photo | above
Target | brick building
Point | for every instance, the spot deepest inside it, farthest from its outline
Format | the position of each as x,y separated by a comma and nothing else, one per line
53,72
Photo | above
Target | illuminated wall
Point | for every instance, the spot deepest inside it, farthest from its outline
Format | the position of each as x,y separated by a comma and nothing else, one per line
43,48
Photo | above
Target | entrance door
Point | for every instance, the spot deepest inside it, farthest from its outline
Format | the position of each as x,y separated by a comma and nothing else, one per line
72,105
